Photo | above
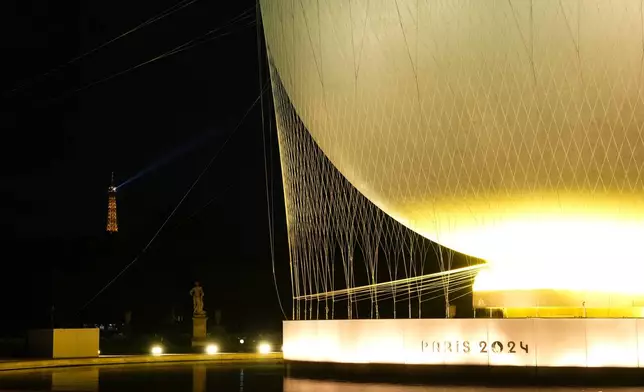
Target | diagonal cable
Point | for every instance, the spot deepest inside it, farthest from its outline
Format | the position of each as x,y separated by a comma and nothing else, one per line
169,11
181,48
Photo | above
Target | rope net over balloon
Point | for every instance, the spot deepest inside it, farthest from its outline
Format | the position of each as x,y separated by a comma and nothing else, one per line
348,259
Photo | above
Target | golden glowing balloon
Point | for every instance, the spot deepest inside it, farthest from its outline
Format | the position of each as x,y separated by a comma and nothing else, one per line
508,130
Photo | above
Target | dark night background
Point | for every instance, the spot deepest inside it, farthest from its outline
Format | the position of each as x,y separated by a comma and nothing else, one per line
57,156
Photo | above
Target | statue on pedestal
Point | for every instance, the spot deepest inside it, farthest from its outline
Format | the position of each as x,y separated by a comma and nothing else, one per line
197,300
199,319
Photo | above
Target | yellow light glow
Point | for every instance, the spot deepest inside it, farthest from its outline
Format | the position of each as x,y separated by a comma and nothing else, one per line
212,349
559,254
264,348
547,241
156,350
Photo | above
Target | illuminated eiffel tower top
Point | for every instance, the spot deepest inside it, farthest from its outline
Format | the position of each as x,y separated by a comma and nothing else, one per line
112,225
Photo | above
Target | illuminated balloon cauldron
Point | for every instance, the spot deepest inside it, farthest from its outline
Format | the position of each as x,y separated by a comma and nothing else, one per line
511,130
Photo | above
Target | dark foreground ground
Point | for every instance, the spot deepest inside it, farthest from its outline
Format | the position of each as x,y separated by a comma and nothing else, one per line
203,377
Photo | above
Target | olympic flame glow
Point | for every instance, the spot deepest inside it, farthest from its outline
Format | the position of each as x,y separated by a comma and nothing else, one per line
562,255
548,241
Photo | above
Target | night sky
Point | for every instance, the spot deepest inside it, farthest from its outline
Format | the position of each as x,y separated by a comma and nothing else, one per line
171,116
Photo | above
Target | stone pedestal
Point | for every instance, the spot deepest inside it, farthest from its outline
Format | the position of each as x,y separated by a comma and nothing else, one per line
199,329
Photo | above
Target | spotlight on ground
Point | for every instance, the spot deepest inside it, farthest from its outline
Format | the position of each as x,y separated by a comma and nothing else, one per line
264,348
212,349
156,350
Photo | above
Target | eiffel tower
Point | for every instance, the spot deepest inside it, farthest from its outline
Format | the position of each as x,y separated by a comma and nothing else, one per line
112,225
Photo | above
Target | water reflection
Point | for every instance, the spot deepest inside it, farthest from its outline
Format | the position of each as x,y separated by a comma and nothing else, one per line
204,377
295,385
302,385
195,377
199,378
75,379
